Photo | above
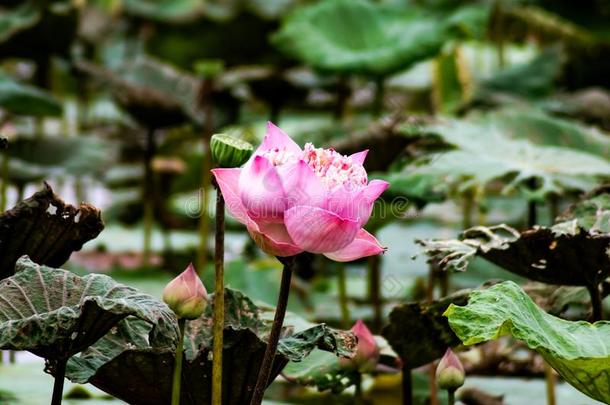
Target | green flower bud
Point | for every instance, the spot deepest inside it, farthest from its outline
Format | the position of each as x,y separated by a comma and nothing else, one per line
228,151
186,295
450,372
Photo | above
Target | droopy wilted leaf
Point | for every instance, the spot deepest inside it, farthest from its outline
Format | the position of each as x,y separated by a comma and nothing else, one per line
358,36
35,29
23,99
564,254
154,93
593,212
46,229
55,314
127,365
578,351
419,333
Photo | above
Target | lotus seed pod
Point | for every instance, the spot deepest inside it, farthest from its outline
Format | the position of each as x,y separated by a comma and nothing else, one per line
228,151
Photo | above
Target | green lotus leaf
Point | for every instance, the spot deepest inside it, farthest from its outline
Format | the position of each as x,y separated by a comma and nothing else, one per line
131,367
578,351
21,17
37,29
499,148
321,370
532,79
46,229
188,11
593,212
358,36
23,99
154,93
166,10
78,155
55,314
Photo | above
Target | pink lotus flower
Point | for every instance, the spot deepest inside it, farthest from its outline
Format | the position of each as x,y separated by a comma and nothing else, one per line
367,352
294,200
186,294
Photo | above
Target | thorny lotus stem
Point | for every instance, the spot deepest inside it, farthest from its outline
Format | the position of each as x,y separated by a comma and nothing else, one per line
274,336
149,214
379,96
219,300
375,297
432,382
345,316
202,249
207,87
550,384
176,385
596,302
451,396
4,186
58,385
407,386
358,398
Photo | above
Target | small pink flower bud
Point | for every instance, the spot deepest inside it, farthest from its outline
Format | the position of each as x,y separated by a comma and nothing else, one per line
450,372
367,351
186,295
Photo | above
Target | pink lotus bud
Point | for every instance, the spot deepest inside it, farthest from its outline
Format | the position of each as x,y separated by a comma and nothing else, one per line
367,352
450,372
186,295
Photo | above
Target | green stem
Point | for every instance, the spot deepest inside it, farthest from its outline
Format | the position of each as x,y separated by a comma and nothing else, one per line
596,303
345,316
206,177
375,291
358,398
219,300
280,311
379,96
550,384
4,186
467,209
407,385
176,385
58,385
343,92
432,384
451,397
149,214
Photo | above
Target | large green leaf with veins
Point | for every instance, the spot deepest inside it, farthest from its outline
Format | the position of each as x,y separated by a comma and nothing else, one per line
358,36
511,148
578,351
55,314
128,365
